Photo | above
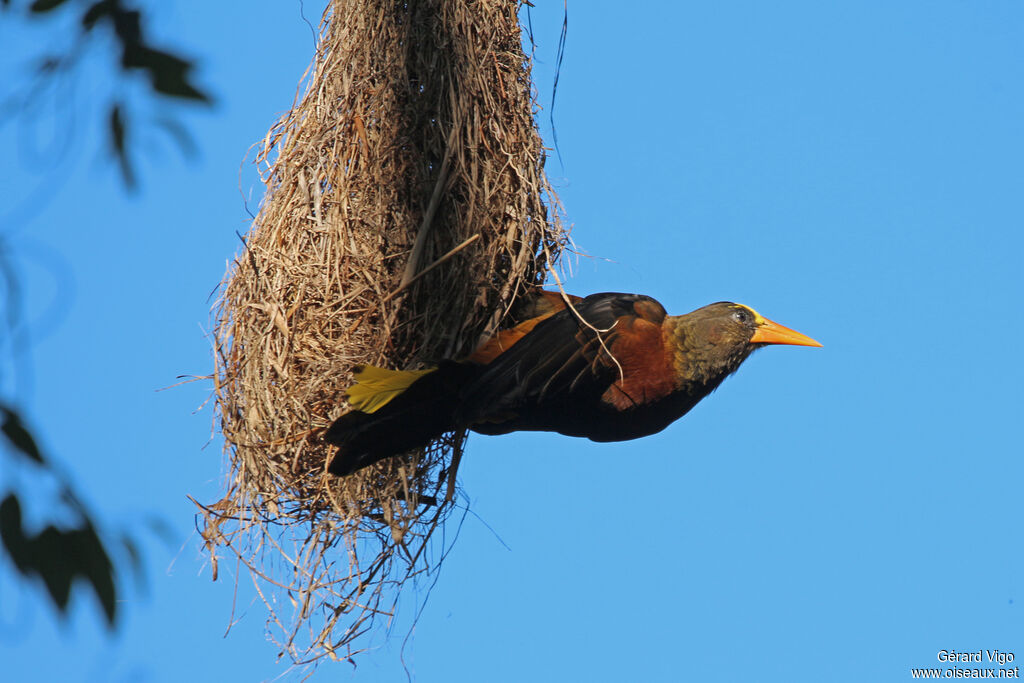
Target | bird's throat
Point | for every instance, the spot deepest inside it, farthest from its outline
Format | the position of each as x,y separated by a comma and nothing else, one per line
700,361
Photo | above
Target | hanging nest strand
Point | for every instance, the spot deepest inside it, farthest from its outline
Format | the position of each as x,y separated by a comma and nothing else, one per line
406,210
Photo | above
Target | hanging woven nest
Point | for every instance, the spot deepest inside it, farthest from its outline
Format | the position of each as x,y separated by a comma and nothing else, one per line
406,210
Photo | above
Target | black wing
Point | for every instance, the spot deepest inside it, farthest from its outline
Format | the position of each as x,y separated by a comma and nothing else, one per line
563,365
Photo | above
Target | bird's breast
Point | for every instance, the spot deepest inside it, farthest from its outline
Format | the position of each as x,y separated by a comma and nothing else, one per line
646,365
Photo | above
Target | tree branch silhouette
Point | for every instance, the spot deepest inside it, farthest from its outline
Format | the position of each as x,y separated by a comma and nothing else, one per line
63,555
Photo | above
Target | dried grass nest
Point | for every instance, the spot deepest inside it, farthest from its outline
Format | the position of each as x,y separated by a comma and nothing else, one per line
406,209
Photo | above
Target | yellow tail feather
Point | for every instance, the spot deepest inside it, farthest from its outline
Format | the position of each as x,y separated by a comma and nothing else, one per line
375,387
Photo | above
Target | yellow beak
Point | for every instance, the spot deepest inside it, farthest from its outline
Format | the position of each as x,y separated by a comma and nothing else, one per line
769,332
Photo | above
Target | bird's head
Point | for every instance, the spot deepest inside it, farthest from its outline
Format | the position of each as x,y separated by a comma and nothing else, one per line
720,336
731,324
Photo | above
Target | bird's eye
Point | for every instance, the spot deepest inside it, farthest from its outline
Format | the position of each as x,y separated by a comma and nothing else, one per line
741,316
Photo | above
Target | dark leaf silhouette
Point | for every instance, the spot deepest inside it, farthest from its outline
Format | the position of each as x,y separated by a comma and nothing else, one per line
118,135
59,556
168,73
40,6
96,12
18,436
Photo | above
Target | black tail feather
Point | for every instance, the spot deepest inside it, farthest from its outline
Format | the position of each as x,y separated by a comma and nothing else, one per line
411,420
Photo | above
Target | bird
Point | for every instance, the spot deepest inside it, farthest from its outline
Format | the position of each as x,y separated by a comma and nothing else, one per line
608,367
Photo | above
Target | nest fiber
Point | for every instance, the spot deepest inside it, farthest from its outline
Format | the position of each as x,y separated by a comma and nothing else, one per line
406,209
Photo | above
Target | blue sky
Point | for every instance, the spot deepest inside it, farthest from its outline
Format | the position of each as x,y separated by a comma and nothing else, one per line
852,170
